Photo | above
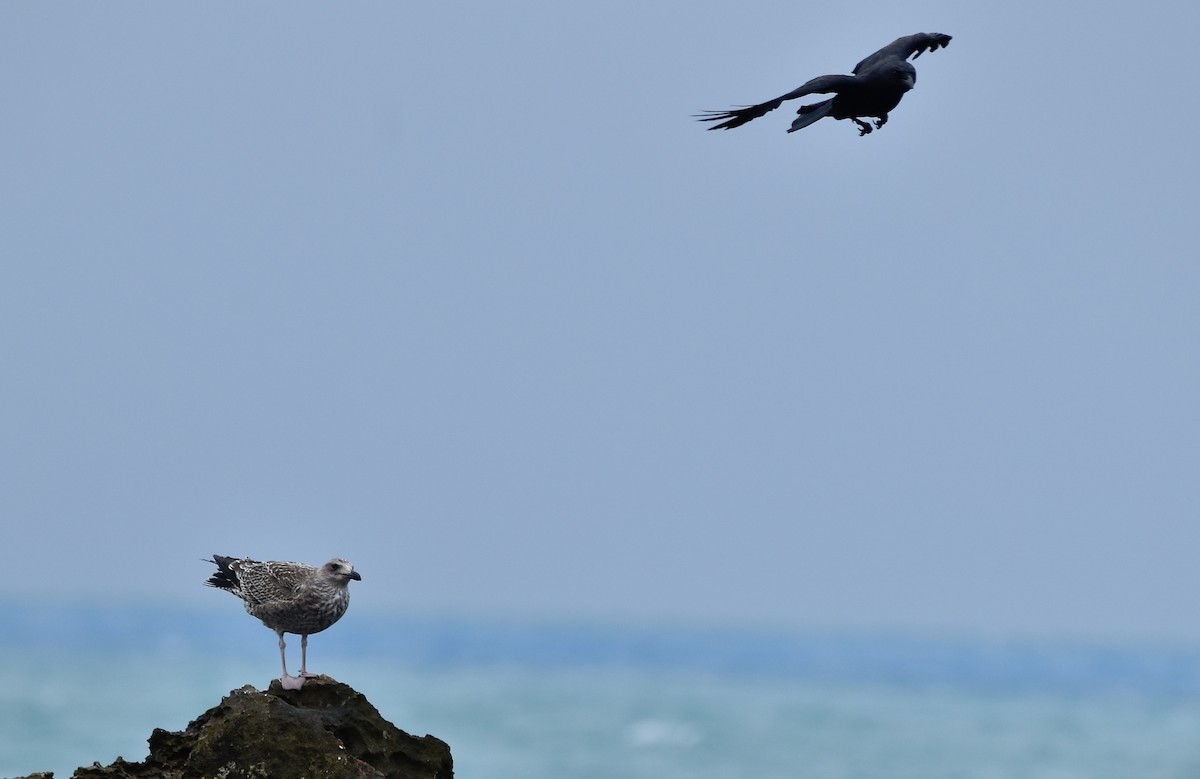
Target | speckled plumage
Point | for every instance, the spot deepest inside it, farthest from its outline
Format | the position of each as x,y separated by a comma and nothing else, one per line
288,597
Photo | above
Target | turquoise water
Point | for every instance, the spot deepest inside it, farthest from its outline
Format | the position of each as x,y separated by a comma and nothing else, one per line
536,701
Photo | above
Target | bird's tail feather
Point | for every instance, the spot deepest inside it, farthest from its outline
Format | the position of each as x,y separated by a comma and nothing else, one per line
225,578
811,113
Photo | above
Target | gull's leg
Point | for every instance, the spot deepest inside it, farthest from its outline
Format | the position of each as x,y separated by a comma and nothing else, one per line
304,674
288,682
863,127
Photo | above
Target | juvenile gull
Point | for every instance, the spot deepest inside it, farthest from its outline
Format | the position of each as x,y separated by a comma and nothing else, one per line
288,598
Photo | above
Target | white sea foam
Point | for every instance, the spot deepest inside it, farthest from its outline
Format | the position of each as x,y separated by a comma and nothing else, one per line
658,732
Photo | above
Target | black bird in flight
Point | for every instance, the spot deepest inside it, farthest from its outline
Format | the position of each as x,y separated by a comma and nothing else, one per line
878,83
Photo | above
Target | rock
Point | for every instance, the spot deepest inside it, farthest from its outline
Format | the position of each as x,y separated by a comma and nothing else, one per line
325,729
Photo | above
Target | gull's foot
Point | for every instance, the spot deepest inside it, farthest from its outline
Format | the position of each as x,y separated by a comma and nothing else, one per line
291,682
308,675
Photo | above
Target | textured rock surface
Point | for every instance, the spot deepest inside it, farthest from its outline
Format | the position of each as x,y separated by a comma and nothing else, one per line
326,729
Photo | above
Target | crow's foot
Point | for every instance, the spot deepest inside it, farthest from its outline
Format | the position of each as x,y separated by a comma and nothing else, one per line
863,127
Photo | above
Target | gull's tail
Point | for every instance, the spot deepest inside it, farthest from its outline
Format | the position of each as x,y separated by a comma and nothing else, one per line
225,578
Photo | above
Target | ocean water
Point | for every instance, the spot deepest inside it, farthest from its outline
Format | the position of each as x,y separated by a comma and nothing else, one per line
559,700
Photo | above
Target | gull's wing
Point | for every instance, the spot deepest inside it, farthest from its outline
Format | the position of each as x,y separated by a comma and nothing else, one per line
903,48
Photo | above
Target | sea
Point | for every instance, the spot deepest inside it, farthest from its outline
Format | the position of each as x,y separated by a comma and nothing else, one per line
527,699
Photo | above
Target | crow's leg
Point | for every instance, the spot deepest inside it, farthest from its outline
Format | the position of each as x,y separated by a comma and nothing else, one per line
881,121
863,127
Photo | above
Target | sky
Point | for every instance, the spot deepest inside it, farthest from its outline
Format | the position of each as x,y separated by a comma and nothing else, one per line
462,292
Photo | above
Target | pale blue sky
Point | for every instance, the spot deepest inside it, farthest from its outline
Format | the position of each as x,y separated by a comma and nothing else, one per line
462,293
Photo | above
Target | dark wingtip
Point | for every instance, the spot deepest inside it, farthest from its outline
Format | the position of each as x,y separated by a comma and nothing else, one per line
224,578
713,116
940,41
728,119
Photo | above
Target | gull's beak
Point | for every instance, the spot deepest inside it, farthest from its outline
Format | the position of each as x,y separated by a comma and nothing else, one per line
354,575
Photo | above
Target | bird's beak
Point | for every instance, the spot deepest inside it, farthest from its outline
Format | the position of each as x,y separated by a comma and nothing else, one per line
354,575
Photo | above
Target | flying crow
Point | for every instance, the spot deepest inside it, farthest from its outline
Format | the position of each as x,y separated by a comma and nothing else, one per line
878,83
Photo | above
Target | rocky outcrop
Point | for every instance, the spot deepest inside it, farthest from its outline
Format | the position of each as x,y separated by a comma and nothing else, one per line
325,729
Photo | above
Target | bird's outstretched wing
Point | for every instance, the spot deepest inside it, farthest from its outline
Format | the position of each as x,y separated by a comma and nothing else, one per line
903,48
736,117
